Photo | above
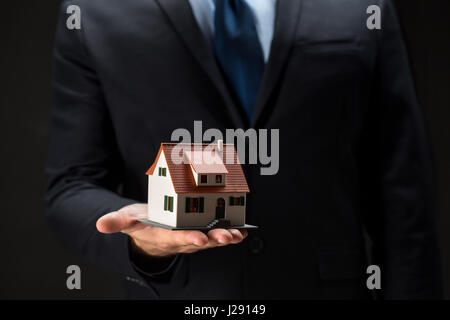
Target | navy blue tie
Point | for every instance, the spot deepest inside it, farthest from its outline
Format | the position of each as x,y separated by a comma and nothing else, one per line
239,51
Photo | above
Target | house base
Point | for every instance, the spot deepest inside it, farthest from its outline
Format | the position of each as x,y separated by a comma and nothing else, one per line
164,226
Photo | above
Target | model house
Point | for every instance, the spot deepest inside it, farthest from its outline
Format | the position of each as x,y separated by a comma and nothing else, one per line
202,191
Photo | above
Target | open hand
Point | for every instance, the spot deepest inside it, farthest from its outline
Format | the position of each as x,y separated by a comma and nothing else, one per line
160,242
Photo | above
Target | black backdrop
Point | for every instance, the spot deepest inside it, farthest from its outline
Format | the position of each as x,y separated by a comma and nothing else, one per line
32,263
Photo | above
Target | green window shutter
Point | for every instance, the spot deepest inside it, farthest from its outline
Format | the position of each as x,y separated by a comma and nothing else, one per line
165,202
201,204
164,172
186,209
242,201
159,171
171,204
231,201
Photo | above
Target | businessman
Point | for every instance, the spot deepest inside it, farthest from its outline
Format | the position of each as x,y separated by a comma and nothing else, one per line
354,185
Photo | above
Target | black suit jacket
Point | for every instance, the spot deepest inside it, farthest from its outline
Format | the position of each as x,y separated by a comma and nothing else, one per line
353,155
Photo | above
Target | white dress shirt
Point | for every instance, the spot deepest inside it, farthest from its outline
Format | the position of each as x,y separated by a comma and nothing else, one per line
263,10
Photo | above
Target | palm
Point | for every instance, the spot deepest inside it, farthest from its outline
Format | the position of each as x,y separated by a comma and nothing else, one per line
162,242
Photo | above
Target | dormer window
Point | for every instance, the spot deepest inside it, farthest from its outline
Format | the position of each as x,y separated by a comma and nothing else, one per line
207,168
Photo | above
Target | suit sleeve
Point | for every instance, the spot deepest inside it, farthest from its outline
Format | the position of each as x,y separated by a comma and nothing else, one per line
84,167
404,228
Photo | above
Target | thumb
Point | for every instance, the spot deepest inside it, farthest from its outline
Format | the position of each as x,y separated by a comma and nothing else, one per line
115,222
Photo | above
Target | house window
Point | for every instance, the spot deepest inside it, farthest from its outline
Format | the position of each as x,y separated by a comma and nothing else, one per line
219,178
237,201
195,205
162,172
203,178
168,203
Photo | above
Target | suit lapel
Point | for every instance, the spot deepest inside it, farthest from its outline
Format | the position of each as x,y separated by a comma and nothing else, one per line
181,16
287,16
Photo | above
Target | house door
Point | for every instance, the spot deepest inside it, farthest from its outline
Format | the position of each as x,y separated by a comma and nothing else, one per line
220,209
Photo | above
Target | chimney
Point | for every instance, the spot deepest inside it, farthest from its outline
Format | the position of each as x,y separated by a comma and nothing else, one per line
220,145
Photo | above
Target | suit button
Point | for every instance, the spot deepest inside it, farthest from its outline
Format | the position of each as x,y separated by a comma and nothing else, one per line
255,245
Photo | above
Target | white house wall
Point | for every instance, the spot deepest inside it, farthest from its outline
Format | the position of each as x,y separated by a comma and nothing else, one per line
236,214
158,187
195,174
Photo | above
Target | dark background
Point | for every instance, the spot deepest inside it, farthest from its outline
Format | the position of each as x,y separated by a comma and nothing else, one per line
32,263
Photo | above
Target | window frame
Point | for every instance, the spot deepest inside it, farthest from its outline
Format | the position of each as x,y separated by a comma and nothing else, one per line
189,201
168,203
162,172
236,201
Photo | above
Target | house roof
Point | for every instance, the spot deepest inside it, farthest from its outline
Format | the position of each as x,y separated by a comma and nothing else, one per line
183,179
206,161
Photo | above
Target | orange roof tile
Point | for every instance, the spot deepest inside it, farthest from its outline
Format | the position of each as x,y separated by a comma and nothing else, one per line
152,168
183,179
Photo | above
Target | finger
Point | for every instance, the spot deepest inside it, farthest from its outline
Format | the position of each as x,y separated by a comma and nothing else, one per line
188,237
221,236
166,240
136,226
192,249
137,211
115,222
237,236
